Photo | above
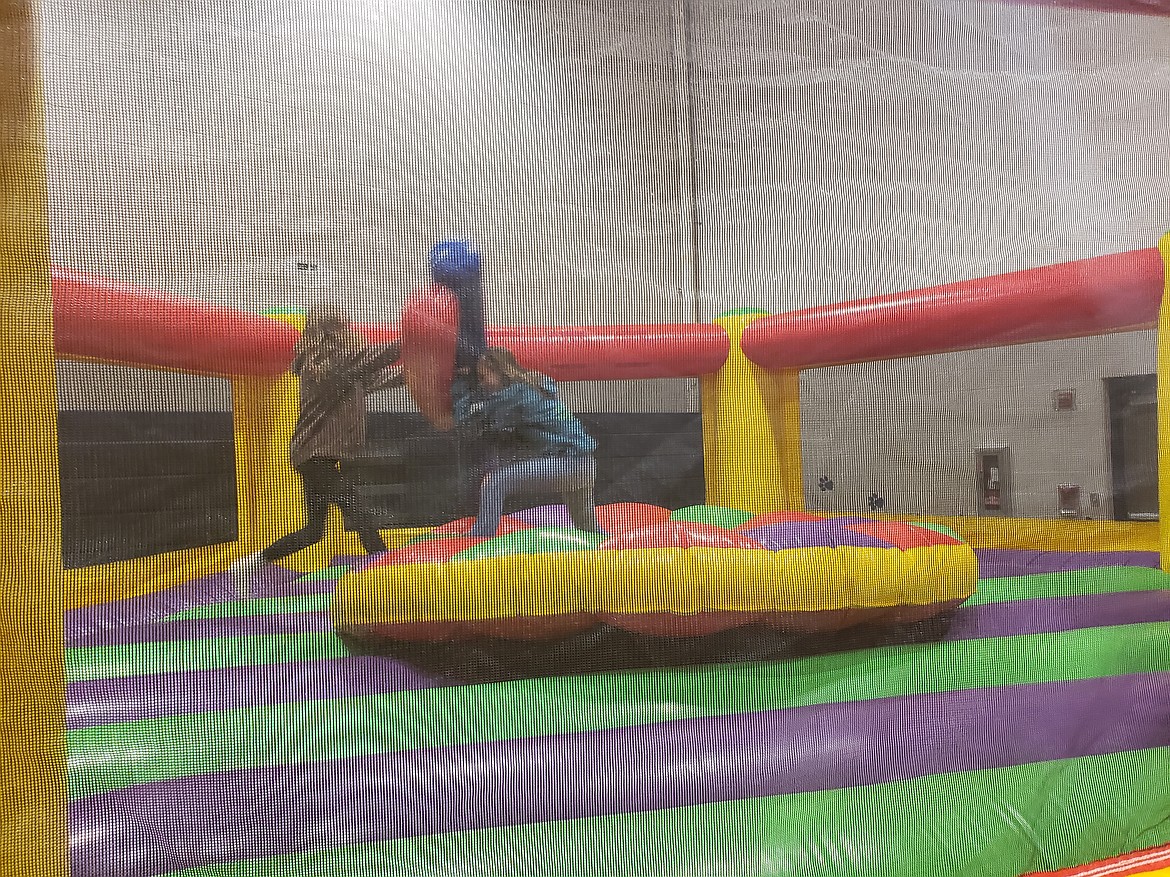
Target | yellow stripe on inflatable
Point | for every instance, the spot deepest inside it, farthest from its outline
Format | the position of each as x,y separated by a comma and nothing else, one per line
683,581
1163,388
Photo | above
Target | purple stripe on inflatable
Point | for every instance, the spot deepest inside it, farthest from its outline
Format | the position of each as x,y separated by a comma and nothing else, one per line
109,701
233,815
206,628
998,563
275,581
812,534
1056,614
149,607
130,698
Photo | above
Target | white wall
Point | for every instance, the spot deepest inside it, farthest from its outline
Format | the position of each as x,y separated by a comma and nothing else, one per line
908,430
846,150
95,386
207,148
639,161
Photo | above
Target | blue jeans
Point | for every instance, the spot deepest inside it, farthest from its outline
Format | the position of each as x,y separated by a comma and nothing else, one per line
570,476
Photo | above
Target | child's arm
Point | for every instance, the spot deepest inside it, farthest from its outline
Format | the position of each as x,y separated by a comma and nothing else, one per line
365,365
376,359
467,405
300,357
387,379
497,414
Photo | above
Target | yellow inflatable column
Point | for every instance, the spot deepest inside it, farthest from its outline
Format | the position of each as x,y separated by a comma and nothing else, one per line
254,402
751,431
1164,411
32,827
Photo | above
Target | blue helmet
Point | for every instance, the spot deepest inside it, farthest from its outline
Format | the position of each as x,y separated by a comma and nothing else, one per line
454,263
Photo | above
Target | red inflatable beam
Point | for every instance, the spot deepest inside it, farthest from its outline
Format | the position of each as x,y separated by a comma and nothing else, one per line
566,353
1116,293
377,333
617,353
102,319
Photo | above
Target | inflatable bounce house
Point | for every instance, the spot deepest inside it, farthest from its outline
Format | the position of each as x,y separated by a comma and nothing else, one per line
741,678
741,686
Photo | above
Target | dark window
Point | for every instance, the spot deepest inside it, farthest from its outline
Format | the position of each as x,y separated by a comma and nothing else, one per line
414,476
136,483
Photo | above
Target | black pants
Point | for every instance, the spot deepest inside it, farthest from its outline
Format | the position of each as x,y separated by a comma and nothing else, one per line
325,484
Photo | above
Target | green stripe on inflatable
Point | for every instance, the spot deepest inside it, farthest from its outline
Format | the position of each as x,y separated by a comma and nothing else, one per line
115,756
97,662
329,573
991,823
540,540
938,528
141,659
1104,580
260,606
718,516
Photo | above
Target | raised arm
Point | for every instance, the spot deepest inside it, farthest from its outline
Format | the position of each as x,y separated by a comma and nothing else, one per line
387,379
373,365
467,404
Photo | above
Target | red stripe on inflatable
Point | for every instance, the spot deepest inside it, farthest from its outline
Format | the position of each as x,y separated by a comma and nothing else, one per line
769,518
615,353
1129,865
102,319
901,535
1115,293
680,534
622,517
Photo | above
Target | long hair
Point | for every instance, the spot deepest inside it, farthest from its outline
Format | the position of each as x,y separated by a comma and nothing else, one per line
328,337
501,361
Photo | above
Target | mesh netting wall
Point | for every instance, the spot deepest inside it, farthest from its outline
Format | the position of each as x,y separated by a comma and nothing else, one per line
875,590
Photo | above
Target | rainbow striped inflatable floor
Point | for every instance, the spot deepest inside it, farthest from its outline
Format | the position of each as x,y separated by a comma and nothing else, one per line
210,735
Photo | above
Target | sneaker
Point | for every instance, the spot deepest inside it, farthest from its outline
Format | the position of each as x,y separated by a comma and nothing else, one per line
244,569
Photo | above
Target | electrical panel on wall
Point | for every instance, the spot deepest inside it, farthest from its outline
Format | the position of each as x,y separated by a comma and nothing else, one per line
1064,400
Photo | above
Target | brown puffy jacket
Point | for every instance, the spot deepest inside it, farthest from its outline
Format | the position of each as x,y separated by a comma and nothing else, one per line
331,422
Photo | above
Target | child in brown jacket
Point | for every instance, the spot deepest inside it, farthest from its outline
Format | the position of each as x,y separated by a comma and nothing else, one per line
337,367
